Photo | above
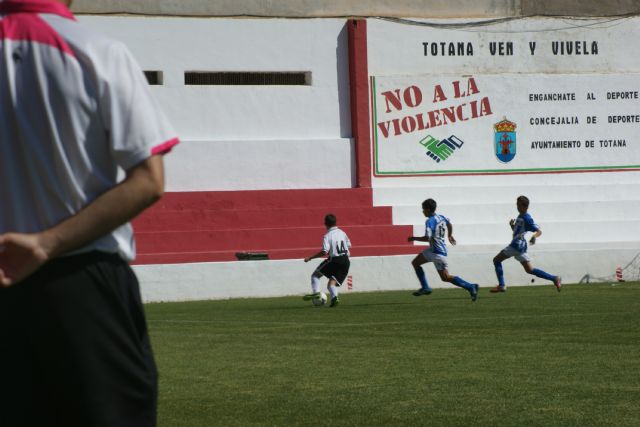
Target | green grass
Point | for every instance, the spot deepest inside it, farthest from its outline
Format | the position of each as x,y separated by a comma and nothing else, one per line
530,357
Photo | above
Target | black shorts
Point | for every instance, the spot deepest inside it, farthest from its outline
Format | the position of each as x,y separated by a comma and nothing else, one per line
335,268
74,348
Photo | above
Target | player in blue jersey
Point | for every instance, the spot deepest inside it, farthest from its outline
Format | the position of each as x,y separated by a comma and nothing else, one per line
436,228
518,247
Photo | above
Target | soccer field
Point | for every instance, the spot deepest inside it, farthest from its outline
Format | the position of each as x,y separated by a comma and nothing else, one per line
531,356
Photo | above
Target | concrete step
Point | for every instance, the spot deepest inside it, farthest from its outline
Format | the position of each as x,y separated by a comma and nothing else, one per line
213,226
265,199
273,254
615,210
191,220
552,232
263,240
483,194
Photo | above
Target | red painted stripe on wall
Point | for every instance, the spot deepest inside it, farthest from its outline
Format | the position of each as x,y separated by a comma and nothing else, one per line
359,91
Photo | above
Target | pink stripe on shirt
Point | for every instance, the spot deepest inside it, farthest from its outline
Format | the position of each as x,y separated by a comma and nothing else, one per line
35,6
165,147
31,27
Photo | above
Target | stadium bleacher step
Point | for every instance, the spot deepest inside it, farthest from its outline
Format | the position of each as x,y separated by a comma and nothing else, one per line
202,219
265,199
286,224
265,238
273,254
552,232
445,195
542,212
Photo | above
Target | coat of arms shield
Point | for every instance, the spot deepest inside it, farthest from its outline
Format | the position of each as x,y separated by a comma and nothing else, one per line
505,140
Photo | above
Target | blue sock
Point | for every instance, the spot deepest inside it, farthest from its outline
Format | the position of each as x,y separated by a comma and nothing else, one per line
499,273
458,281
543,275
422,277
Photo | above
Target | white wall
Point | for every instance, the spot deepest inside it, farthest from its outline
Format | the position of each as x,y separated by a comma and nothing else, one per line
240,138
243,279
397,49
229,133
261,164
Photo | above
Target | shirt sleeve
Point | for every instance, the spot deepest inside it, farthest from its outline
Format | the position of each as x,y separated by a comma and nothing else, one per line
428,228
529,224
348,241
136,126
325,243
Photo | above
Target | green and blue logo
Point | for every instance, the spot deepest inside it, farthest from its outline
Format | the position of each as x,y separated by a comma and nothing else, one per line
439,150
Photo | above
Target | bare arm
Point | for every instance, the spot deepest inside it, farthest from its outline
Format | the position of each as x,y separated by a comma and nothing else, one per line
452,240
22,254
537,234
419,239
316,255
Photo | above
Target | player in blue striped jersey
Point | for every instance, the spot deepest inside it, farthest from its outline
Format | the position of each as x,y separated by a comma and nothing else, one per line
518,247
436,229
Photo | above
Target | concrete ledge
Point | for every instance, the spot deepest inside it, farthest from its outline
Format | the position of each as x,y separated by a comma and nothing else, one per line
305,8
245,279
580,7
333,8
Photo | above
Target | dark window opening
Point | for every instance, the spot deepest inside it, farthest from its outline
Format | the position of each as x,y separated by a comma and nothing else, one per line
207,78
154,77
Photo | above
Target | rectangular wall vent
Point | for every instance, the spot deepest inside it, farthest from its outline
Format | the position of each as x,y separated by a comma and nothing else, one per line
209,78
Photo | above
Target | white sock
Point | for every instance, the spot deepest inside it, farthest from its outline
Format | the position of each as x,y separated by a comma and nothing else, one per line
333,290
315,284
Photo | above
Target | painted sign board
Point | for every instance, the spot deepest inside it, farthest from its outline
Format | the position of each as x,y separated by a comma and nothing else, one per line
527,96
520,123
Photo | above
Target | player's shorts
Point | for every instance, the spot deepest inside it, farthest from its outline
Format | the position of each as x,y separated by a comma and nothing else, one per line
440,261
520,256
74,347
335,268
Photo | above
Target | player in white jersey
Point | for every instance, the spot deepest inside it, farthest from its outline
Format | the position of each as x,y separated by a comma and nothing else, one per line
81,140
523,224
437,227
336,245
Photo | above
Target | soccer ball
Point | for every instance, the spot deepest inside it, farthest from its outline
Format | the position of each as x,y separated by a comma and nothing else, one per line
320,301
